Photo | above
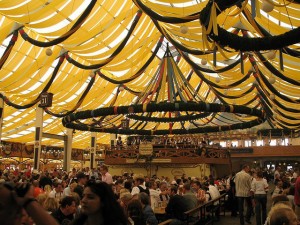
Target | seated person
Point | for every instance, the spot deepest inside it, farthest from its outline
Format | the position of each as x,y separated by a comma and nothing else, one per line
176,206
282,214
66,210
147,210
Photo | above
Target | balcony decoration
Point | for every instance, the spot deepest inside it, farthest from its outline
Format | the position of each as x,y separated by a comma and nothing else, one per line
6,148
169,98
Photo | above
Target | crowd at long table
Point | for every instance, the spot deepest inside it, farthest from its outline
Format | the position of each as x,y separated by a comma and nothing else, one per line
96,197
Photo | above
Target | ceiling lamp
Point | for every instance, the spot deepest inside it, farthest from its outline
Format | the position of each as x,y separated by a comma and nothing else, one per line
272,80
49,52
203,62
267,6
169,108
92,74
271,55
184,29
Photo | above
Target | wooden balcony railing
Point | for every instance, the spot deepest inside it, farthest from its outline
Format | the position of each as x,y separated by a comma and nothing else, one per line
168,155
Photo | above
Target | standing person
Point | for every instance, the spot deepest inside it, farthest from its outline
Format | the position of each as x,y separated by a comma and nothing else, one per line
259,187
99,207
119,143
277,174
139,181
232,200
106,176
243,186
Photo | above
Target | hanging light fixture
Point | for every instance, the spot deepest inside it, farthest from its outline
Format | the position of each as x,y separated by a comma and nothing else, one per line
49,52
203,62
271,55
267,6
218,79
92,74
272,79
184,29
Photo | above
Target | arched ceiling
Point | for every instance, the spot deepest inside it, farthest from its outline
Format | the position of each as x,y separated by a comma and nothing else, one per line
98,46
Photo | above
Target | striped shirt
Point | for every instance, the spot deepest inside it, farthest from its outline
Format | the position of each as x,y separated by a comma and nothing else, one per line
242,184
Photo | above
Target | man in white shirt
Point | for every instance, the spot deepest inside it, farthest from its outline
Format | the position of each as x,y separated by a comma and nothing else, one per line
57,191
106,177
243,187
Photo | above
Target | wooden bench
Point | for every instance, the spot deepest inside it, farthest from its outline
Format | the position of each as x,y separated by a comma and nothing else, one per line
205,216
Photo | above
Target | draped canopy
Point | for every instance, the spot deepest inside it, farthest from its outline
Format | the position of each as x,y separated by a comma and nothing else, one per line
96,54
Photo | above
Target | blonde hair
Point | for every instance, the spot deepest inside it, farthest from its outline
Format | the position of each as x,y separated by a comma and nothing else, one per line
47,188
41,198
279,214
51,204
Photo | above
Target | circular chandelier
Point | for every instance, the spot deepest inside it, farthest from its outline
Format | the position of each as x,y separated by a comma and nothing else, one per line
73,120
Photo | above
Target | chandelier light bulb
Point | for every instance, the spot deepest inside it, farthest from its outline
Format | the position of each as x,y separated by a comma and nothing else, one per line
184,29
49,52
218,79
203,62
272,96
92,74
121,88
267,7
271,55
272,80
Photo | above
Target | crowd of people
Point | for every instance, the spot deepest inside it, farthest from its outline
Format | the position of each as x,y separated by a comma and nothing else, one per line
84,197
133,142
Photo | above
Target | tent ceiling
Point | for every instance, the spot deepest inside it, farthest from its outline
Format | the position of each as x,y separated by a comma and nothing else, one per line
116,39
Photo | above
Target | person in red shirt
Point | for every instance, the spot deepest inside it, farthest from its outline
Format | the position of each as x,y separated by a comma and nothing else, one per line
36,189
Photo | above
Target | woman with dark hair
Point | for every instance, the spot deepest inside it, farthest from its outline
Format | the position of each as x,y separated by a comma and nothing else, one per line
135,213
99,206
